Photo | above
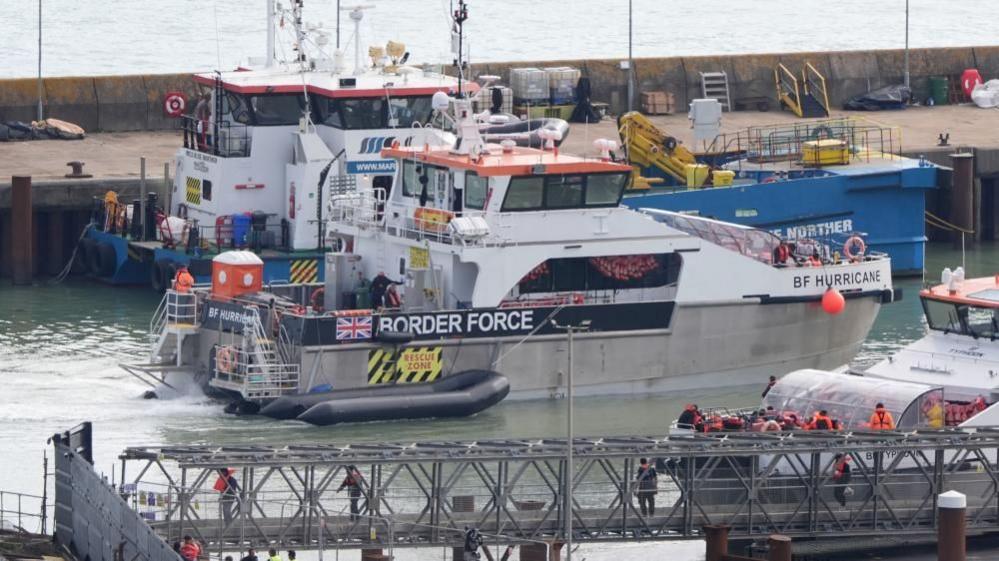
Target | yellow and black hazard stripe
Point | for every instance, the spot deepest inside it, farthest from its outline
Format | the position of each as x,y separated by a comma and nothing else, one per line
193,191
381,366
419,364
303,271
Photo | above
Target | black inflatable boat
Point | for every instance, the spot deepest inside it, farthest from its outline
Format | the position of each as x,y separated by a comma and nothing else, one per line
458,395
524,133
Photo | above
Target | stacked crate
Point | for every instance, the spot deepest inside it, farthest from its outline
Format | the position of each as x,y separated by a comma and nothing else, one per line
530,86
658,103
562,82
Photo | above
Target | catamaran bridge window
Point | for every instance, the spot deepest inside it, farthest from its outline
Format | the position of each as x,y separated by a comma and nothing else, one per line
965,319
558,192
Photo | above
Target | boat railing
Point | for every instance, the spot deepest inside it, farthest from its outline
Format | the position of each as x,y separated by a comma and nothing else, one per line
225,138
865,140
175,308
242,371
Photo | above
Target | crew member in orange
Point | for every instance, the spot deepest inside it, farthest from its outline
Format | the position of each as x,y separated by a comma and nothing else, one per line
781,253
881,419
821,421
183,281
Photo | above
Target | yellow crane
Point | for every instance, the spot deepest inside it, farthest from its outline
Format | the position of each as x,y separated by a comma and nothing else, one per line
648,146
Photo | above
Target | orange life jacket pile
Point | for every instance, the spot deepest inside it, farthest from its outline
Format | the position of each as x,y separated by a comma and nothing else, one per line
956,412
536,273
625,267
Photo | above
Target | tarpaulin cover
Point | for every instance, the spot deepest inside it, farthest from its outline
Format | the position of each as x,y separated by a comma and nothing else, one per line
888,97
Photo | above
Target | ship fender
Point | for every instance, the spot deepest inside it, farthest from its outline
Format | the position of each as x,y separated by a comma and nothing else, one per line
157,275
464,394
88,255
106,259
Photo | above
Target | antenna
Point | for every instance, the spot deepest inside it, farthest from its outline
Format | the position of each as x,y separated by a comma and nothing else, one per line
459,17
356,15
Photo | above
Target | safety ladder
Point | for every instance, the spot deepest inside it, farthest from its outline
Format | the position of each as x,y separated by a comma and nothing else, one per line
807,97
714,85
174,319
255,368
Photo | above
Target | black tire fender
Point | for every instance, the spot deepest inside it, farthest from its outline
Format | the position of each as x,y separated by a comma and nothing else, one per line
107,259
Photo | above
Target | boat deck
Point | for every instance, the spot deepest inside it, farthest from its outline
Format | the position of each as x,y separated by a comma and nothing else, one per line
116,155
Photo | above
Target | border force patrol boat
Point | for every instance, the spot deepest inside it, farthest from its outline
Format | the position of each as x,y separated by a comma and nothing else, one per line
481,256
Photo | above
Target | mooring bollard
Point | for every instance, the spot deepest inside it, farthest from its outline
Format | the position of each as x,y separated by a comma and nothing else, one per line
951,544
715,543
779,548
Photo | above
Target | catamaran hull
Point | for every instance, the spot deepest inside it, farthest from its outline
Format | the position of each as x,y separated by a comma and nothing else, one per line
704,346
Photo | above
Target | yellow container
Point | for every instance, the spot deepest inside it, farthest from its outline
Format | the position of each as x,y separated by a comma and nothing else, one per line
696,174
563,112
722,177
828,152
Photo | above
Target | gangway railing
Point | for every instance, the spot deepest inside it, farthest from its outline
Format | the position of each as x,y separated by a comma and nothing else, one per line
23,513
756,483
255,368
815,85
788,89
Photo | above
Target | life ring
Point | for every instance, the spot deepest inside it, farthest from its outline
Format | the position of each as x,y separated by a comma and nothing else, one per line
857,242
821,132
174,104
317,299
224,360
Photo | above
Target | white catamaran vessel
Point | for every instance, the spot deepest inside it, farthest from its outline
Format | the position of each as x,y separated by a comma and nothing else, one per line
473,255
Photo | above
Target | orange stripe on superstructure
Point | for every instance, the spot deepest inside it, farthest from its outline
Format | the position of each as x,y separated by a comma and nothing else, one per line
522,161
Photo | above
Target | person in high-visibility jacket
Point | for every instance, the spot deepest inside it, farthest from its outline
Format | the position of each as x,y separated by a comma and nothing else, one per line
881,419
183,282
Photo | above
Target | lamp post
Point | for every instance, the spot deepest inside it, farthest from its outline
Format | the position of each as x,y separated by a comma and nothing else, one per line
40,60
567,496
631,63
905,77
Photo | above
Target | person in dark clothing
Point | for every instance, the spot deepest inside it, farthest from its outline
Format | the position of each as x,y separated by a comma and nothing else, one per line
251,555
353,484
771,384
379,286
647,484
688,418
291,555
229,488
841,477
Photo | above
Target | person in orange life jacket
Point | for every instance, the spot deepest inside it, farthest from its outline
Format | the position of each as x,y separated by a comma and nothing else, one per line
353,484
379,286
190,550
881,419
647,484
815,260
770,384
227,485
821,421
841,477
183,281
687,419
979,405
782,253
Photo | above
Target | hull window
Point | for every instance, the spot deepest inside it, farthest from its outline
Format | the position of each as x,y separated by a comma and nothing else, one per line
618,272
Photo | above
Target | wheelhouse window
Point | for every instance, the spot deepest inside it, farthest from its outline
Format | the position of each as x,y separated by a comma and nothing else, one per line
961,318
235,106
476,191
541,192
413,174
277,109
373,112
616,272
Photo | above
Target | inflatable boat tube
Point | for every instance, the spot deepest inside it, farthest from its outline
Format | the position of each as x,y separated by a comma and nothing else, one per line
524,133
459,395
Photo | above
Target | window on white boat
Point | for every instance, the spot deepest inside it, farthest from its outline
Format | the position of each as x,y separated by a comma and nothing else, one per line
362,113
405,111
234,105
613,272
525,193
476,191
277,109
436,180
537,192
963,319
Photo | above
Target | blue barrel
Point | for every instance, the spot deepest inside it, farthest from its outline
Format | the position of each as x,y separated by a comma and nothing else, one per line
241,228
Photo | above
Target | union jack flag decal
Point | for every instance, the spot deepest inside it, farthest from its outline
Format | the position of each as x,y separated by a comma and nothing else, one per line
353,328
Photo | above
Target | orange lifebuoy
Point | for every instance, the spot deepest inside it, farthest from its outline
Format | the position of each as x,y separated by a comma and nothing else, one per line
854,241
224,360
317,298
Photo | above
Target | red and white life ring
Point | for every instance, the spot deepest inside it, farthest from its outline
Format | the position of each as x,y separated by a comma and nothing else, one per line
855,242
174,104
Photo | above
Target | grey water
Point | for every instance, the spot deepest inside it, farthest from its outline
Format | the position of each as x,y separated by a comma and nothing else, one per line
114,37
60,346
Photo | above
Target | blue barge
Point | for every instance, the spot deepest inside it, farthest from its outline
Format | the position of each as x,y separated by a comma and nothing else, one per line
825,180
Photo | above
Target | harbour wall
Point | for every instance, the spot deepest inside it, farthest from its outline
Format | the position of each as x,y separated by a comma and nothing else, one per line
135,102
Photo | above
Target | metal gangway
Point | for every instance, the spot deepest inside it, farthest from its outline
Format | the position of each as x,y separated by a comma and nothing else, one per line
424,493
